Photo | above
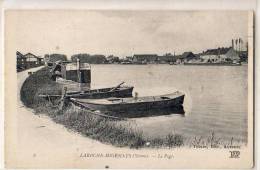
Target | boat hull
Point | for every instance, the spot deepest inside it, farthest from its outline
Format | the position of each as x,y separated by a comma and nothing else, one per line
93,94
124,107
102,93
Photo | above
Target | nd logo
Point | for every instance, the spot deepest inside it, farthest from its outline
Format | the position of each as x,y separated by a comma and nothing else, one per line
234,154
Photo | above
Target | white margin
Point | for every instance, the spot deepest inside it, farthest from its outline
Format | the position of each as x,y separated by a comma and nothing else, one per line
134,4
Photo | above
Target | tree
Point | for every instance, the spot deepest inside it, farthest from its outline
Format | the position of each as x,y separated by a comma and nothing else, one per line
56,57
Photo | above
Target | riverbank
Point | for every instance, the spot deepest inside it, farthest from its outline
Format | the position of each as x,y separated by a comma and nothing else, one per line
131,133
117,133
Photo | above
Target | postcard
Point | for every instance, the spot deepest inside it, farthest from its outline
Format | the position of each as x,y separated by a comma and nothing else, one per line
128,89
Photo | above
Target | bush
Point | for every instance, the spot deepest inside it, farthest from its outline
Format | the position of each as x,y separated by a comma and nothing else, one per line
37,83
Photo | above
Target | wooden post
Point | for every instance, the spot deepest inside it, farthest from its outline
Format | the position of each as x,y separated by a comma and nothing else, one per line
63,99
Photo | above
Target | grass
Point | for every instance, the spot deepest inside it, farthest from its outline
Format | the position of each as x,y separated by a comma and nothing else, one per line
170,141
117,133
213,141
104,130
99,128
37,83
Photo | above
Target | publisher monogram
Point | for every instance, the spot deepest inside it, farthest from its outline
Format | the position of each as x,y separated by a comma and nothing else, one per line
234,154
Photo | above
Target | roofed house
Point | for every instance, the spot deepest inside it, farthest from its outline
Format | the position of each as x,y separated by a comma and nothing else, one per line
167,58
220,54
145,58
20,61
33,60
28,60
186,57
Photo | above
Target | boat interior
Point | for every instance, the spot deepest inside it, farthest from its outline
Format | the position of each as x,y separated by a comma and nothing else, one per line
132,99
105,90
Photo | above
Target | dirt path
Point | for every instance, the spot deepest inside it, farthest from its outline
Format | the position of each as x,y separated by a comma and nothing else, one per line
43,143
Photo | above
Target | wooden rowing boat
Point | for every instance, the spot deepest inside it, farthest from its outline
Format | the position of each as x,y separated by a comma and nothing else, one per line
123,91
117,105
120,91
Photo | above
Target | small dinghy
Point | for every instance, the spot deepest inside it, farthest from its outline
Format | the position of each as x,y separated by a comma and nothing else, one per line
117,105
117,91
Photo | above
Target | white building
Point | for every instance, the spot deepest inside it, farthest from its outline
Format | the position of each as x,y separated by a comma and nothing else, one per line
220,55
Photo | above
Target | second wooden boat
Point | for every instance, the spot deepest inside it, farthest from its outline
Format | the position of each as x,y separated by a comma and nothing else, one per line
172,100
120,91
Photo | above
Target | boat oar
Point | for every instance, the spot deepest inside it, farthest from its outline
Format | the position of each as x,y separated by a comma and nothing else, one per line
49,95
113,89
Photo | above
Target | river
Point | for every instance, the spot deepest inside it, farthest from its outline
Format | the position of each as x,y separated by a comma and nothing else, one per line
215,97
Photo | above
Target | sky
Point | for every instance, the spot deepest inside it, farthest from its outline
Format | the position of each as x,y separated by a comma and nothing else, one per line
122,33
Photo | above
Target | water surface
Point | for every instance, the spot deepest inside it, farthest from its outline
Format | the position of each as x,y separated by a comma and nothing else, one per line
215,97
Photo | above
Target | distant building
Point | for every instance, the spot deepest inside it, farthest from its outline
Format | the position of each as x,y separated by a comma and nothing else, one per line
33,60
20,61
243,56
167,58
186,57
220,54
129,58
28,60
145,58
112,59
126,60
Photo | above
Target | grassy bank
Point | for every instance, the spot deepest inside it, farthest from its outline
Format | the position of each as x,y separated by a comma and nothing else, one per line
117,133
36,83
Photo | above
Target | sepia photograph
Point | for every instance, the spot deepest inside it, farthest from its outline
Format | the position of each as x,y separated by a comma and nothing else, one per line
128,89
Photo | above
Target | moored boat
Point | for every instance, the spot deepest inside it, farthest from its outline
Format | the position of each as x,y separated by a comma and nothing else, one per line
122,91
173,100
119,91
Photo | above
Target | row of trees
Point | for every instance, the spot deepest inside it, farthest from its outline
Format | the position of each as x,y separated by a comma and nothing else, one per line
86,58
92,59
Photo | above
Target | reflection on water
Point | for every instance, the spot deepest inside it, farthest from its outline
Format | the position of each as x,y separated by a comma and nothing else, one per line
215,97
149,113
